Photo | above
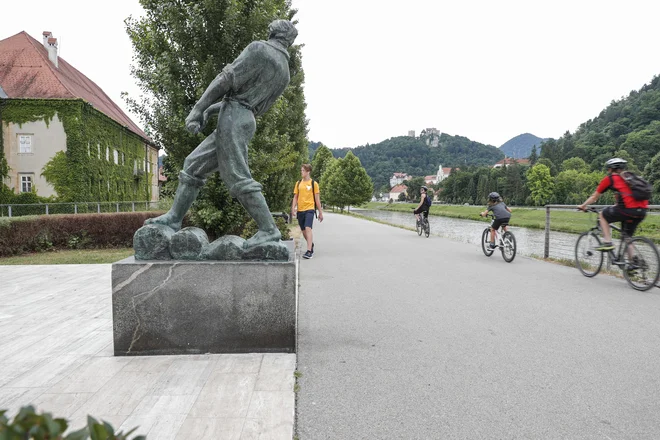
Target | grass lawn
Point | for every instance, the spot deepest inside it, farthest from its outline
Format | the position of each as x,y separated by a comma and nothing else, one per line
82,256
560,220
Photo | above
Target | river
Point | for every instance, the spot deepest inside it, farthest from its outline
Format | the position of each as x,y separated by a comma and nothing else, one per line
529,241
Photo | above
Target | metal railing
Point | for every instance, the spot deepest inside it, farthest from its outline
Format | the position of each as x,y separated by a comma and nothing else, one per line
569,246
15,210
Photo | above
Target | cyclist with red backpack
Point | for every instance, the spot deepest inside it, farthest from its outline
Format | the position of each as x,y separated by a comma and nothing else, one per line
632,195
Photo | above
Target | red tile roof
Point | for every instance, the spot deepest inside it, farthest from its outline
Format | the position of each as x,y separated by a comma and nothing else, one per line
26,72
399,189
510,160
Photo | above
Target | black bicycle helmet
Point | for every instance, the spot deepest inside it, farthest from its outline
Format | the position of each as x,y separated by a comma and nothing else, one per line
494,196
425,188
616,163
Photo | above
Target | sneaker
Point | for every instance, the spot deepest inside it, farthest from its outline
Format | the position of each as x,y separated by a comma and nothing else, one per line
605,247
307,255
493,245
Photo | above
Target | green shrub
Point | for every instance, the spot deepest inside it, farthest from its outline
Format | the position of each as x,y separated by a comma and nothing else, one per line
29,425
19,235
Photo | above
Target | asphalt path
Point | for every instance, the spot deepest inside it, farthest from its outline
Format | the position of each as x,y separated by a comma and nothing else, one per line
406,337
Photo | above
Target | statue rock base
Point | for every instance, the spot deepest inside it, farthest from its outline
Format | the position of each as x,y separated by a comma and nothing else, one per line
159,242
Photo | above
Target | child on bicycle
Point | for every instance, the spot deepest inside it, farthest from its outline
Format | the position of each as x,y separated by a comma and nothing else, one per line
502,215
423,206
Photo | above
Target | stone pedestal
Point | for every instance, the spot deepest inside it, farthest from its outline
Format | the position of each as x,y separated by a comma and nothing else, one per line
192,307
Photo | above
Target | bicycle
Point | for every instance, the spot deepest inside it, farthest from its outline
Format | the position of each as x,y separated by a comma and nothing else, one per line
506,242
637,257
422,224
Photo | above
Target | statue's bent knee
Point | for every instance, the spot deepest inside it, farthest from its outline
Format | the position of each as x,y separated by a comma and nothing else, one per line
191,180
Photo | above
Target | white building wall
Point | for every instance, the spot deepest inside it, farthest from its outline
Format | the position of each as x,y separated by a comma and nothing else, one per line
46,141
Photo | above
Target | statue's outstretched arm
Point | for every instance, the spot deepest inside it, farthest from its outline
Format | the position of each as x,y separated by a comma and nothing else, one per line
198,116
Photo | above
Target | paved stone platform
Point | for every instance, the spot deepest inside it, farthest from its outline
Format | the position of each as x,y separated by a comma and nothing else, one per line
57,354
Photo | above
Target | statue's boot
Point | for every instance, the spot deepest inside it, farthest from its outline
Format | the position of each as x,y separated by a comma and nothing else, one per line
255,204
186,193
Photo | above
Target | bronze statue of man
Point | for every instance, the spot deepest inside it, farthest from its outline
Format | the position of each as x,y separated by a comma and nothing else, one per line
243,90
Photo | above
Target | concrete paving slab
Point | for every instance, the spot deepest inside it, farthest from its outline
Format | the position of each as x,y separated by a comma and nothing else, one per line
57,354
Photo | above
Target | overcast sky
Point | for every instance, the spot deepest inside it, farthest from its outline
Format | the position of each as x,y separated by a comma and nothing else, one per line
481,69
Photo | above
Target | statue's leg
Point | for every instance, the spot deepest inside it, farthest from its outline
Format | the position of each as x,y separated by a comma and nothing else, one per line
202,161
236,126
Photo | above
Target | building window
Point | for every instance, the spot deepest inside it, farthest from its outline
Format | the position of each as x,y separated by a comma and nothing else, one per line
25,143
116,156
98,147
107,154
26,183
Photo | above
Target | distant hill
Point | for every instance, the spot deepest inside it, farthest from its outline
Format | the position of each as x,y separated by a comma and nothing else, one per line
520,147
411,155
312,147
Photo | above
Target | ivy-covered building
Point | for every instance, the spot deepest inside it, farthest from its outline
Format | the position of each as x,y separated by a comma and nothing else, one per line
60,134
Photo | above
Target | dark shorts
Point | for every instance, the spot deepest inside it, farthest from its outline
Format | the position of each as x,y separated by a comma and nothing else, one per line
629,217
305,219
499,222
423,209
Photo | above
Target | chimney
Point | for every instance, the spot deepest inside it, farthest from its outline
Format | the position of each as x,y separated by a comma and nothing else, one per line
47,35
52,50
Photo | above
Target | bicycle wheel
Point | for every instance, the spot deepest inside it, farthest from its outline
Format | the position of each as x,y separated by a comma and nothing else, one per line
427,228
587,258
485,243
418,227
642,263
508,247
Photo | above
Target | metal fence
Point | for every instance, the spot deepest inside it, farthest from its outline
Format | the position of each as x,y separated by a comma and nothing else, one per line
74,208
560,245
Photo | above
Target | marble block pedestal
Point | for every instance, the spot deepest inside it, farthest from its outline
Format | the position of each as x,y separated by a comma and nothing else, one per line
192,307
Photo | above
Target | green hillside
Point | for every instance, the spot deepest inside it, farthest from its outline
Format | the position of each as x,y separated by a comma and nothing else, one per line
412,155
629,127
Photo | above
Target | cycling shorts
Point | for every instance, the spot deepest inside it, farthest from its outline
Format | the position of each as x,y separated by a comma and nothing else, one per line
499,222
630,218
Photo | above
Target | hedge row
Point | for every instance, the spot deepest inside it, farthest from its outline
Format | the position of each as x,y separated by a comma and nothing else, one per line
76,231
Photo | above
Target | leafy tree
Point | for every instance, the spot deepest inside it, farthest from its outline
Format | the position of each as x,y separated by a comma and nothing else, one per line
540,184
359,185
548,163
179,48
414,186
402,197
643,144
322,156
573,187
652,173
346,183
533,157
482,189
575,163
331,184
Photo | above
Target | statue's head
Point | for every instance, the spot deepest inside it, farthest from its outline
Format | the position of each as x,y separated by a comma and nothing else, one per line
282,30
